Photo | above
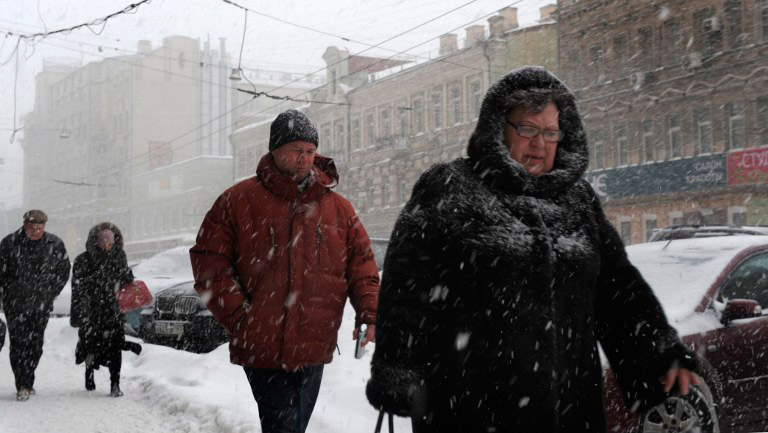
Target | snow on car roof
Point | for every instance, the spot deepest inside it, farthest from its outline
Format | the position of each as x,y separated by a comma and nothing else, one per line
680,272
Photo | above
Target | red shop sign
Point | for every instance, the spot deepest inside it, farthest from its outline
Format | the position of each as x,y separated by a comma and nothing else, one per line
748,166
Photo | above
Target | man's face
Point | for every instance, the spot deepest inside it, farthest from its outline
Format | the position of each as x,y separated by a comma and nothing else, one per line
295,159
106,240
535,154
34,230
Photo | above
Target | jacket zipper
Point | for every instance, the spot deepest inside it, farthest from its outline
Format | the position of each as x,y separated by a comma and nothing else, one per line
319,247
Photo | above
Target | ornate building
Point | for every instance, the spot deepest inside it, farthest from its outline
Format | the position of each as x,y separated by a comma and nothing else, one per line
675,99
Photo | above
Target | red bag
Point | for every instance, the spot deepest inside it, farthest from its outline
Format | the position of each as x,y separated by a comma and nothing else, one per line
133,296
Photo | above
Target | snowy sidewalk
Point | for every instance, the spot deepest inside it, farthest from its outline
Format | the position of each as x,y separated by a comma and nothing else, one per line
168,390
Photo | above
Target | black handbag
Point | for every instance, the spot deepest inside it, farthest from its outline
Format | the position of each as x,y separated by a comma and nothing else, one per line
381,418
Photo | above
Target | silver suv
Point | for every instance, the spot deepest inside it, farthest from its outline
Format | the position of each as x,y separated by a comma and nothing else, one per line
705,231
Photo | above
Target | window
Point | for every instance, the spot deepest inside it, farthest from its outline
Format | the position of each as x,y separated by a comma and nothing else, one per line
762,119
418,114
385,193
708,36
370,129
734,23
476,97
703,128
437,109
748,281
649,147
737,216
675,136
672,42
339,135
574,70
622,149
370,191
402,191
454,109
160,154
384,122
620,55
402,118
625,230
596,64
650,226
736,128
764,14
598,150
645,45
325,135
676,218
356,139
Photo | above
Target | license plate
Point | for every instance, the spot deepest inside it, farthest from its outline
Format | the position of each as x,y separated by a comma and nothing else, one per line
169,328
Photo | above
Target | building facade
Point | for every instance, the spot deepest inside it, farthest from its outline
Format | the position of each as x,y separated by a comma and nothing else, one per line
675,100
126,139
385,121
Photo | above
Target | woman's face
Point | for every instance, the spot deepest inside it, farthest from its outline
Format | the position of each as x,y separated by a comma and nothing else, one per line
106,240
536,154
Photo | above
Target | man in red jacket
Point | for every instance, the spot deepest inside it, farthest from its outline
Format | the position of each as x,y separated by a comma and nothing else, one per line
276,257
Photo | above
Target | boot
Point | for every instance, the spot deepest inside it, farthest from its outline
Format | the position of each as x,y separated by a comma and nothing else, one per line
133,347
90,385
116,390
22,395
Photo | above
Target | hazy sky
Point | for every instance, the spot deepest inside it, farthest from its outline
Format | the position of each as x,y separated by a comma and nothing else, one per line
269,43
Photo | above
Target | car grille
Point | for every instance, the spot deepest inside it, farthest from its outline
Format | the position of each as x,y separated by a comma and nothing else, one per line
177,304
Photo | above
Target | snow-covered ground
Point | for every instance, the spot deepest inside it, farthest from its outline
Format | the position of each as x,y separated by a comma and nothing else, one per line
173,391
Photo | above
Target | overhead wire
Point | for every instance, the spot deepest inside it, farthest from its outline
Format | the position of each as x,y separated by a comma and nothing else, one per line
128,161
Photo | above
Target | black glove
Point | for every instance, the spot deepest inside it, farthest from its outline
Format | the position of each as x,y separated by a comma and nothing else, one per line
396,390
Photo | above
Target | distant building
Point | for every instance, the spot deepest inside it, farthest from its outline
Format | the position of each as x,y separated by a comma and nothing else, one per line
386,120
675,97
139,140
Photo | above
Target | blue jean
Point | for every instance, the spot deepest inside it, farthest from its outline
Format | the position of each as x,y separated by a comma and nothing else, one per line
285,399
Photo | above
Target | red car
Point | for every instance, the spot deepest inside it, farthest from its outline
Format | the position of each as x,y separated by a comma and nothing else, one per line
715,293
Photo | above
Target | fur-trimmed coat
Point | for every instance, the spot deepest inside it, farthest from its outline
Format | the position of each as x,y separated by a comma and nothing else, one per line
96,276
499,285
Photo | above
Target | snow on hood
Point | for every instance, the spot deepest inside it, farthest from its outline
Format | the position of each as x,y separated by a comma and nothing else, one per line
682,271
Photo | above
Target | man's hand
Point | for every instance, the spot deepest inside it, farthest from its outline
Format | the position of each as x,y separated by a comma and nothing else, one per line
370,334
683,376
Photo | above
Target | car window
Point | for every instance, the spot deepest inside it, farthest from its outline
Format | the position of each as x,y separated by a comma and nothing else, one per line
748,281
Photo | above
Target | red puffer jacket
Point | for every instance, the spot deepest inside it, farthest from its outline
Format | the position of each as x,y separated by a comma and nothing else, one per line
277,267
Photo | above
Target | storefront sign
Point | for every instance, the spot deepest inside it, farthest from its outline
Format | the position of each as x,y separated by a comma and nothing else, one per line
748,166
690,174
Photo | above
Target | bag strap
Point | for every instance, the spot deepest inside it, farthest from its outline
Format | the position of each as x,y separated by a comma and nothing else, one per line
389,419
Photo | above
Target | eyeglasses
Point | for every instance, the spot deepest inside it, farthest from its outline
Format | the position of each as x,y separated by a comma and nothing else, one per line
526,131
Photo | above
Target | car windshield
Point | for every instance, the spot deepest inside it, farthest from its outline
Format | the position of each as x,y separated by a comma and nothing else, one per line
680,272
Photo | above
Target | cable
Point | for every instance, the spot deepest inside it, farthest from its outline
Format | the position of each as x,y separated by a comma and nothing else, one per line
294,81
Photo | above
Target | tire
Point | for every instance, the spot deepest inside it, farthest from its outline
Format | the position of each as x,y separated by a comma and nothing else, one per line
693,413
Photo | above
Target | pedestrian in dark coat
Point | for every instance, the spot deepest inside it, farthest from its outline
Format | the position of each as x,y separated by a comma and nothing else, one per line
277,256
503,274
96,276
34,267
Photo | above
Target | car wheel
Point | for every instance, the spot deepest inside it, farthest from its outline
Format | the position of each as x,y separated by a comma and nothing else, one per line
693,413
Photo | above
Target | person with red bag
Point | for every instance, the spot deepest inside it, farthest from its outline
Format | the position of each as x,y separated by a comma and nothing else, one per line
97,275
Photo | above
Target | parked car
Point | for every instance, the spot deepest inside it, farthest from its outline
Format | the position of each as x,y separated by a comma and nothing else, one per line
715,293
179,318
164,269
705,231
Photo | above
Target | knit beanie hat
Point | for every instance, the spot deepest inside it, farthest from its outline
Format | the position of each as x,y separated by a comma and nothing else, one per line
35,216
291,125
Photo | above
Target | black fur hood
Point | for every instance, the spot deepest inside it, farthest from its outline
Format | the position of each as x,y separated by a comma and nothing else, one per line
93,236
490,155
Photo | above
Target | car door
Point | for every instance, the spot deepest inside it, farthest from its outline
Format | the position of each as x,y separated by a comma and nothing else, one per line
739,350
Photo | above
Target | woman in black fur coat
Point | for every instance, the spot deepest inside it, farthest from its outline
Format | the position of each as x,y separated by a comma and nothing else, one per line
96,276
503,274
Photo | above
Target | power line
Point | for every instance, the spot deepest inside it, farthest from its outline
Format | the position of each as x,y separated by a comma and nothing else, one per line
315,72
